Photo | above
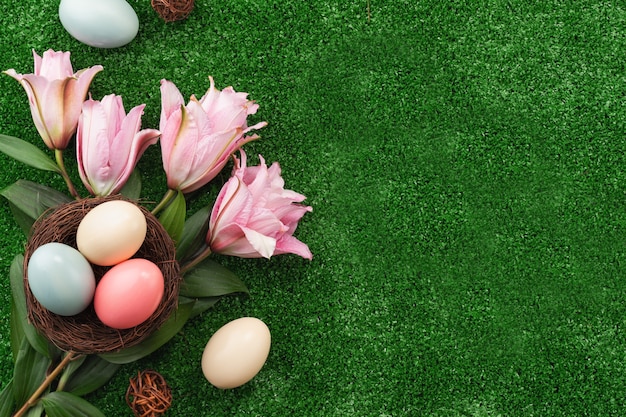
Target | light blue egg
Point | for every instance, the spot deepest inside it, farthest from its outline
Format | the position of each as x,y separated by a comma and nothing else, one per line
102,24
61,279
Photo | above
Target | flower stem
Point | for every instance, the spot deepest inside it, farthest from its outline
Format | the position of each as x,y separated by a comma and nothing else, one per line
201,256
164,201
46,383
58,154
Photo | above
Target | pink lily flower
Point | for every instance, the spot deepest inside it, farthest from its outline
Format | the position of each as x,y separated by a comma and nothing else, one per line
254,216
197,139
55,94
109,143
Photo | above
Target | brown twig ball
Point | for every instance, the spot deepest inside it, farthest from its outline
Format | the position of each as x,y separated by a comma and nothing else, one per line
148,394
172,10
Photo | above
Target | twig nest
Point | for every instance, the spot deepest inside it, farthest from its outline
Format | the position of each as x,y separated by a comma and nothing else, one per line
84,332
172,10
148,394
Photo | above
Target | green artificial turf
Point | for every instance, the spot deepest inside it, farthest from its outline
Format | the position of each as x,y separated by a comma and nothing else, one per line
465,165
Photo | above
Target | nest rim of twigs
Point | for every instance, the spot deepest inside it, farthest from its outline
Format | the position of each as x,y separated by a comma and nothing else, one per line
84,332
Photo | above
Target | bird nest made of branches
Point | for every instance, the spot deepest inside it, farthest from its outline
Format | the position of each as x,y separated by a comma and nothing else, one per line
84,332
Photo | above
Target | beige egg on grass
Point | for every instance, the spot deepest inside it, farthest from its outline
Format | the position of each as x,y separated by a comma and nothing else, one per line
236,352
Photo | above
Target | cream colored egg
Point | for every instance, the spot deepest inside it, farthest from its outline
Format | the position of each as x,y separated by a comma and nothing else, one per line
111,232
236,352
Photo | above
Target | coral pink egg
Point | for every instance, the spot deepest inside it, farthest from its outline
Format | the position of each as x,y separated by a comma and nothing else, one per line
129,293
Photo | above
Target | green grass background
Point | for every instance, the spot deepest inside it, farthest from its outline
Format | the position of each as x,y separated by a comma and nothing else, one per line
465,162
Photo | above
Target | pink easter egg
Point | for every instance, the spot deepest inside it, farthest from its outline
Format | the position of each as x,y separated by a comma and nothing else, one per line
129,293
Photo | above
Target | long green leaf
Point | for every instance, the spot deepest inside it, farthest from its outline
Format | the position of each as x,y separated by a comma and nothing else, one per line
171,327
132,188
64,404
69,370
194,233
7,402
29,200
17,330
173,217
27,153
29,372
93,373
210,279
200,304
37,341
24,221
35,411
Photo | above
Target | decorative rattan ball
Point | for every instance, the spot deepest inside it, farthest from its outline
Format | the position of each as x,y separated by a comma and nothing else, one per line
172,10
148,394
84,332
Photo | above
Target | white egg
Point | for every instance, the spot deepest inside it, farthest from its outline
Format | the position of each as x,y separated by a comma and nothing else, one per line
99,23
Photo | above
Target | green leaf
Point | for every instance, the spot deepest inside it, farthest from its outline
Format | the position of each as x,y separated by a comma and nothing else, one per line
37,341
132,188
210,279
17,331
24,221
7,402
194,233
64,404
29,372
93,373
200,304
173,217
169,329
29,200
27,153
35,411
69,370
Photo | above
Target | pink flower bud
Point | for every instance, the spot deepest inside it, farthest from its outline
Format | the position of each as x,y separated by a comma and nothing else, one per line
55,94
109,143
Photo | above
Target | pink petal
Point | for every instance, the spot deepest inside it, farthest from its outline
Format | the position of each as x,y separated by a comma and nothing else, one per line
169,133
46,106
289,244
231,241
114,110
182,151
53,65
129,145
264,245
140,143
75,94
208,99
94,146
265,222
171,101
122,130
13,74
234,205
291,214
37,60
